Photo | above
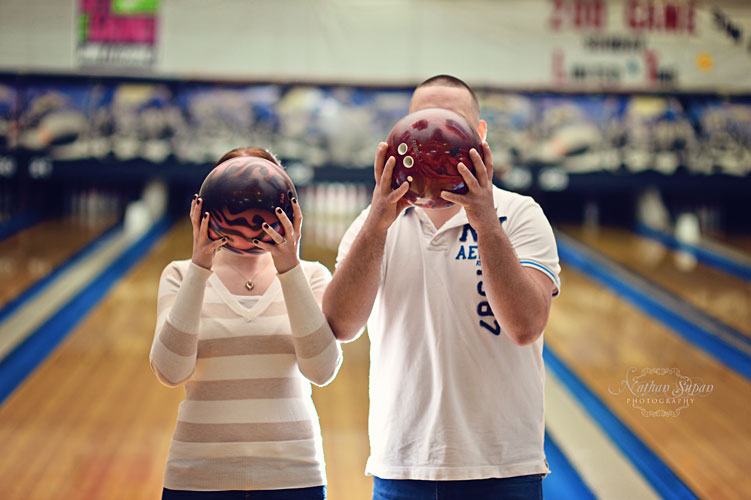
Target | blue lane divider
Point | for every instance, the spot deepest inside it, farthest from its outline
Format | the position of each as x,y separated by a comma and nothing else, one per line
563,482
18,223
596,268
35,288
20,362
722,262
654,470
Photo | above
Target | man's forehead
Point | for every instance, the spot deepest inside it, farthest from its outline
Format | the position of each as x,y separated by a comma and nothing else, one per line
456,99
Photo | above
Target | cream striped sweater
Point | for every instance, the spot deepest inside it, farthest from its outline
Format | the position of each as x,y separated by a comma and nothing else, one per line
248,420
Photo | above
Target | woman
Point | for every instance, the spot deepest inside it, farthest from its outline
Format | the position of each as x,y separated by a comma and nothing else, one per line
246,336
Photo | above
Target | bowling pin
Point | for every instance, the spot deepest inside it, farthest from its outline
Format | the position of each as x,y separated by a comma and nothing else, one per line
688,232
591,218
651,211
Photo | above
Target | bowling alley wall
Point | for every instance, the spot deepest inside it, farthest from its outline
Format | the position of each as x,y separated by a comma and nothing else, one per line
592,106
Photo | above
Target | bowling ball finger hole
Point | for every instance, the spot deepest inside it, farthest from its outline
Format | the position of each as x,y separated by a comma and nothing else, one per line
408,162
402,149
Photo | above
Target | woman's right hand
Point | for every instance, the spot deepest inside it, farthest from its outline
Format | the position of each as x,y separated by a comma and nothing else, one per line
204,247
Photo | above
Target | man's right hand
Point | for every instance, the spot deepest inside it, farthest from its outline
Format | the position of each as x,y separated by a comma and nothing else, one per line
349,297
386,204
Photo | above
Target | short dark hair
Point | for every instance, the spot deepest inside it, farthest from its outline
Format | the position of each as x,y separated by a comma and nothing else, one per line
257,152
451,81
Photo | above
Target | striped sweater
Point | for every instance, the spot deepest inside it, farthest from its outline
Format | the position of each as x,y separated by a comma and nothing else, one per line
248,420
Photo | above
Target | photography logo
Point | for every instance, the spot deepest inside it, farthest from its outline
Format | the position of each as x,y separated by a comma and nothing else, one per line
660,392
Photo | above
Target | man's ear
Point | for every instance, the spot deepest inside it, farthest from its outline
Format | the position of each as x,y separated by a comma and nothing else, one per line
482,129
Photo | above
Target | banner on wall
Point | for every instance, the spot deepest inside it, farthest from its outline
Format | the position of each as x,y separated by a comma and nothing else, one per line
117,33
647,45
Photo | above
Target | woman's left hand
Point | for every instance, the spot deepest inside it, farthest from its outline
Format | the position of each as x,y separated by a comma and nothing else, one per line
285,250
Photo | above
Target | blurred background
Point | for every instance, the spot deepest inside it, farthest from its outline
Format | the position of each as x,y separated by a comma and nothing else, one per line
628,121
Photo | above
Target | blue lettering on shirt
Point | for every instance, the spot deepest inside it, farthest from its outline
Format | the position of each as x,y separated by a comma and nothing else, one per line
466,230
485,312
470,252
467,251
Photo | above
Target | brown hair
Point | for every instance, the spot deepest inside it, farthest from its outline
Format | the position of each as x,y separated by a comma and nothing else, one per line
257,152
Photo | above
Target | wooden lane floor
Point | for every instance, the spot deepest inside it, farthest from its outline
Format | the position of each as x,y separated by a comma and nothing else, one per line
343,410
717,293
93,422
601,337
31,254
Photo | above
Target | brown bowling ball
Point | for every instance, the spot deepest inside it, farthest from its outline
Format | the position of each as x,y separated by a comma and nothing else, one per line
428,144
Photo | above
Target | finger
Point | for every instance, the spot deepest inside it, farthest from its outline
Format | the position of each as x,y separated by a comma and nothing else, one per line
263,245
297,212
453,197
193,205
388,169
195,214
480,168
218,243
378,163
203,230
488,159
469,179
286,224
398,193
272,232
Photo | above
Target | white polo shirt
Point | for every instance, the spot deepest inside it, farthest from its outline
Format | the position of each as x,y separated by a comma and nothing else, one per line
451,397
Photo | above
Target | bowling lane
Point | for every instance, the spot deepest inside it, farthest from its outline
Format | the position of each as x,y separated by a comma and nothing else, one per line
717,293
33,253
344,426
94,422
738,242
600,337
343,412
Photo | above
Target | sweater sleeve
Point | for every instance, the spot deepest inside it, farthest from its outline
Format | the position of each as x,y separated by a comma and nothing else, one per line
319,355
175,345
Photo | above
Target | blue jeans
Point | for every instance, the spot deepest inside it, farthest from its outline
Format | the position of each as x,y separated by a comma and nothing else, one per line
507,488
314,493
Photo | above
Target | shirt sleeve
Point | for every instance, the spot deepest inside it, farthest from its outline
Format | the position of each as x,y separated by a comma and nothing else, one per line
319,355
534,243
175,346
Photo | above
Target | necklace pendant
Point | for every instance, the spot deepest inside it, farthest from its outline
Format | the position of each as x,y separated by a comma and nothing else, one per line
250,285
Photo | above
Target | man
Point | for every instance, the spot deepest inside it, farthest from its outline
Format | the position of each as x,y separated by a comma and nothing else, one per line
456,300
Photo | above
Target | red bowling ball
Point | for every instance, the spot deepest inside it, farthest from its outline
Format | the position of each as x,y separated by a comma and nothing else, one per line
241,194
427,145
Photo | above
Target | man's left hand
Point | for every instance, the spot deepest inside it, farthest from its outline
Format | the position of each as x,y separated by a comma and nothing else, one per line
478,202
